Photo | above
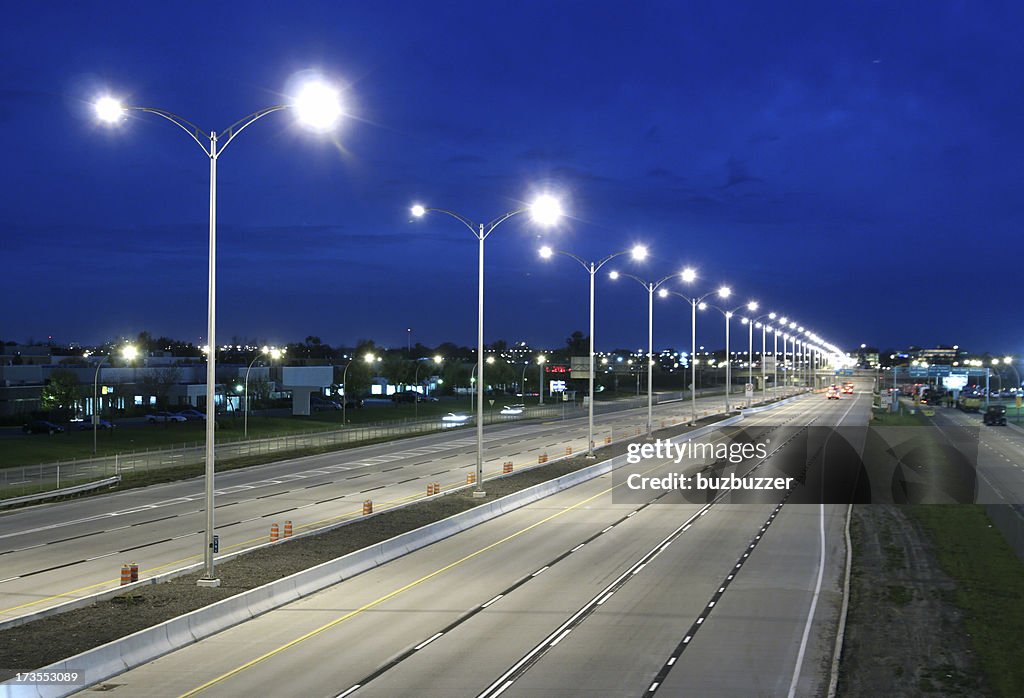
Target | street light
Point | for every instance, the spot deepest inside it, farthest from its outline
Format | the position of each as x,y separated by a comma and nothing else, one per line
318,107
751,306
540,377
638,253
437,358
651,287
690,275
545,210
128,353
274,354
369,358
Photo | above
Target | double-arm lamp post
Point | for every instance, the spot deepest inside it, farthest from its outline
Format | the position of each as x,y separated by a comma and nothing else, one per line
437,359
696,302
751,306
318,107
638,253
651,287
545,210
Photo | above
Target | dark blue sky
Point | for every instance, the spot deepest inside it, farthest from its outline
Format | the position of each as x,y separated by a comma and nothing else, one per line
855,165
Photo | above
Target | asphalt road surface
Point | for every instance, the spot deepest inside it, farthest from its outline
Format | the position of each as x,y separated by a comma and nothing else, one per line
581,593
55,552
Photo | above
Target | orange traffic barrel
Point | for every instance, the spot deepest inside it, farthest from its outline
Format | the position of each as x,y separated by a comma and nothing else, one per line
607,439
437,488
507,467
133,569
568,450
275,532
470,478
287,529
367,506
126,574
542,458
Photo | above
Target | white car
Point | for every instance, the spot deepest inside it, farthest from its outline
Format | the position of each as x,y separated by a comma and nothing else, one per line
453,420
164,417
511,410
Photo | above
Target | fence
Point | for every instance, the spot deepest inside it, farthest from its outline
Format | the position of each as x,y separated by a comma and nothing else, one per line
29,479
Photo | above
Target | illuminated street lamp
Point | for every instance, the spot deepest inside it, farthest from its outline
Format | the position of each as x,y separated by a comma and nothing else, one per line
128,353
689,276
638,253
751,306
437,359
651,287
274,355
318,107
369,358
540,376
545,210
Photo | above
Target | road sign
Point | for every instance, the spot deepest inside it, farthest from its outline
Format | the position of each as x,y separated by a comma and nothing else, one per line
748,390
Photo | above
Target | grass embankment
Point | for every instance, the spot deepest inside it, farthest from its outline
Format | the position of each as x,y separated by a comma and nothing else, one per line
989,587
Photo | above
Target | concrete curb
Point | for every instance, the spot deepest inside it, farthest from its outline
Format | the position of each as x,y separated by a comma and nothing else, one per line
115,657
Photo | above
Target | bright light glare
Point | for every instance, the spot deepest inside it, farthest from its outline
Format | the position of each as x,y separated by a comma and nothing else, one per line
109,110
639,253
703,306
752,305
546,252
613,275
438,358
546,209
689,275
418,211
771,316
490,359
724,292
318,106
129,352
662,293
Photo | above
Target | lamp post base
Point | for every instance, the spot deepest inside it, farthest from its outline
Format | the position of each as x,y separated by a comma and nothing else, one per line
208,583
479,494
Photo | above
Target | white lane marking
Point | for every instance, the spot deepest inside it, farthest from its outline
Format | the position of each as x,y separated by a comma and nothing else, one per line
427,641
492,601
814,605
539,571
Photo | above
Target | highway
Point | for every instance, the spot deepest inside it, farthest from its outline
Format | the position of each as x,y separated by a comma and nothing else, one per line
55,552
582,593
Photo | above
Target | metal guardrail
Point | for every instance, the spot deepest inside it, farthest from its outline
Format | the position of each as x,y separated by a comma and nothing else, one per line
46,478
63,492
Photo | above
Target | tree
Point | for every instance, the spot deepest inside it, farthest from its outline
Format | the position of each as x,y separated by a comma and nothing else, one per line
578,344
61,393
159,381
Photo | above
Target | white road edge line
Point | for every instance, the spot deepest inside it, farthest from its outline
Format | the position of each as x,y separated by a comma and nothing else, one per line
833,684
814,605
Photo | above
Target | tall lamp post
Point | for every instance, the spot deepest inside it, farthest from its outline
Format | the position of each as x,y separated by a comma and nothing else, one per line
727,314
690,275
651,287
638,253
437,359
274,354
128,353
369,358
540,377
751,323
318,107
545,210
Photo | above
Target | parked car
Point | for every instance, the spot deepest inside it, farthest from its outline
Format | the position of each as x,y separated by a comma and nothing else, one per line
164,418
995,416
192,415
86,424
41,426
317,402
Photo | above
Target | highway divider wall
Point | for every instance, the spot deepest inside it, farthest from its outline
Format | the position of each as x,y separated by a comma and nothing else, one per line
146,645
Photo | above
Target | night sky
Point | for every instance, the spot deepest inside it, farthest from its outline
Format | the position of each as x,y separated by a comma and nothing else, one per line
853,165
